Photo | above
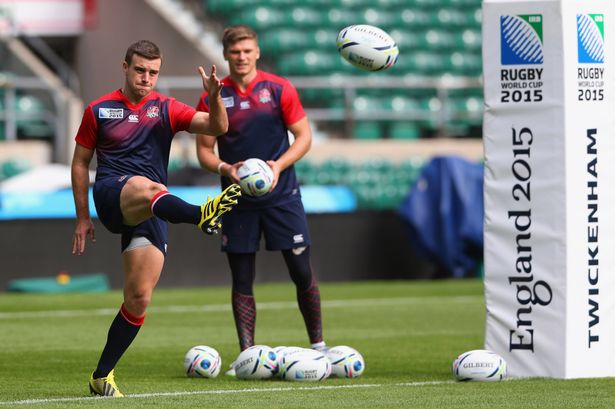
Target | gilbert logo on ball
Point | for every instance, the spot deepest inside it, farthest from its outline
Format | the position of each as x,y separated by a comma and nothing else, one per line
367,47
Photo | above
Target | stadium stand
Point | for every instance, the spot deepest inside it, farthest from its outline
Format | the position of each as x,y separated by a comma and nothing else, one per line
377,183
436,38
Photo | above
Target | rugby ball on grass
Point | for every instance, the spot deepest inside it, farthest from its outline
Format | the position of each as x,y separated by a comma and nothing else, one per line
479,365
202,361
346,362
305,365
281,352
255,177
256,362
367,47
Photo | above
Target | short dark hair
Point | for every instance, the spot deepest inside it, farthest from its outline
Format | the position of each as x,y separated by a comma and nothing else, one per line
237,33
143,48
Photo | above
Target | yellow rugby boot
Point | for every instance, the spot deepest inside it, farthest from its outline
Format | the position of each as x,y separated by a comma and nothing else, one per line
213,209
105,386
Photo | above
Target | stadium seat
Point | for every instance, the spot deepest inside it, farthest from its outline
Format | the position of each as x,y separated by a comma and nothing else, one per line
379,18
336,170
228,7
304,63
302,17
306,171
464,63
416,18
431,109
260,18
449,17
423,62
409,170
338,18
323,37
436,39
281,40
469,40
30,122
367,130
405,39
404,130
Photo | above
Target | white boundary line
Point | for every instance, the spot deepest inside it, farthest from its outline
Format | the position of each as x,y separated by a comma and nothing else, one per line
179,309
227,391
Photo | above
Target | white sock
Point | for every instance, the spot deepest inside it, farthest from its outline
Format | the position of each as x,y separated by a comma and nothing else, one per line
319,345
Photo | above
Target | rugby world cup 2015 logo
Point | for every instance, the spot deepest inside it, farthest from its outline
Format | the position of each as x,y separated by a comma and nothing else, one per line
521,39
590,38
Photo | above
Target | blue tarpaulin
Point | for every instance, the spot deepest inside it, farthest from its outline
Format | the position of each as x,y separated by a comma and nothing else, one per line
444,212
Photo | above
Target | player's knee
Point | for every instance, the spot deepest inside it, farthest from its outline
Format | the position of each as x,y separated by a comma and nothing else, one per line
144,186
137,302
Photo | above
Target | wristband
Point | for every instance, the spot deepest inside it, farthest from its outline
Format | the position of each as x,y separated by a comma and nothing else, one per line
220,166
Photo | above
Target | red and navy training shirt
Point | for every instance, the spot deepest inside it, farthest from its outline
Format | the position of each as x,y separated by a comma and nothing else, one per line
133,139
258,128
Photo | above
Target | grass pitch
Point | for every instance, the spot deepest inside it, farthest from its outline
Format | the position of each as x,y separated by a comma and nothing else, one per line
409,333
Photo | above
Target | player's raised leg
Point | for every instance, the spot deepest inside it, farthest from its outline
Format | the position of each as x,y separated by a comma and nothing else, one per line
141,198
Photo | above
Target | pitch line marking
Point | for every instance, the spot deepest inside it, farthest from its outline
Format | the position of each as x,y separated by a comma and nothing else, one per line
225,391
176,309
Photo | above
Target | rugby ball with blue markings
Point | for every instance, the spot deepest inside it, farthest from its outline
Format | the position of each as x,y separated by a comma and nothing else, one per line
305,365
479,365
255,177
346,362
256,362
202,361
367,47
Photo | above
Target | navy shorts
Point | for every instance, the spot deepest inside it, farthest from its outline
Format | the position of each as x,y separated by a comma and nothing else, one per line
107,200
284,227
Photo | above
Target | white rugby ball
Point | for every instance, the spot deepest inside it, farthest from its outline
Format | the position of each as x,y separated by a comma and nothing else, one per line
479,365
367,47
346,362
255,177
305,365
281,352
202,361
256,362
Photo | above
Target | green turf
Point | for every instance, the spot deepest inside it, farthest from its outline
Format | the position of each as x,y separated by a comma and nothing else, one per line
409,333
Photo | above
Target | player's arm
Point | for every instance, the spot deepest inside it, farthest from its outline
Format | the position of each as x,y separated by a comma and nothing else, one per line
209,160
80,178
216,121
303,141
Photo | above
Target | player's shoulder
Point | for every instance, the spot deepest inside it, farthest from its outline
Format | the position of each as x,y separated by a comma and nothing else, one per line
276,79
111,96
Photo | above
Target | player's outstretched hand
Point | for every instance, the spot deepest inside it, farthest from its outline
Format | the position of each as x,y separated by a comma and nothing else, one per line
212,84
83,229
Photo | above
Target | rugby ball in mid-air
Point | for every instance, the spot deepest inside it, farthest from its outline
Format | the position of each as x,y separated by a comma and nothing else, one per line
305,365
202,362
367,47
256,362
346,362
479,365
255,177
